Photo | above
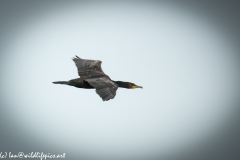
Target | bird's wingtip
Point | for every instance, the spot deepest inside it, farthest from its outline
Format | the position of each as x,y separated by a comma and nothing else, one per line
75,58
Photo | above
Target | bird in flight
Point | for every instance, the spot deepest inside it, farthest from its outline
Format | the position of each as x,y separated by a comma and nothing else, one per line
92,76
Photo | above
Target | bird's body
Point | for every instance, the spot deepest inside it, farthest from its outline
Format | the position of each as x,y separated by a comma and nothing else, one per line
93,77
80,83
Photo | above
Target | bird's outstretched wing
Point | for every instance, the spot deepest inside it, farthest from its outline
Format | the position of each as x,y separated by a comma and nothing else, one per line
89,68
91,71
105,88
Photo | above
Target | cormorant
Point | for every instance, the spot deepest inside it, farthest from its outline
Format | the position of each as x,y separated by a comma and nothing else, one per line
92,76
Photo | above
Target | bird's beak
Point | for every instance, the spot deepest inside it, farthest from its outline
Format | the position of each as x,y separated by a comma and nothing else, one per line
138,87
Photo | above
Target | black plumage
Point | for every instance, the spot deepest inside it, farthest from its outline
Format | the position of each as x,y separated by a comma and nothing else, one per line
92,76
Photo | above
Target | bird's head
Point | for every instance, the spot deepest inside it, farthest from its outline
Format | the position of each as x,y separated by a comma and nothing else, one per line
133,86
127,85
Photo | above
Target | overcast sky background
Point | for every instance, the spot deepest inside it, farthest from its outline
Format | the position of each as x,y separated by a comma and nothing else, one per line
185,55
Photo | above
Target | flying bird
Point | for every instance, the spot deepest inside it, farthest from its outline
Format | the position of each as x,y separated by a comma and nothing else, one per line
92,76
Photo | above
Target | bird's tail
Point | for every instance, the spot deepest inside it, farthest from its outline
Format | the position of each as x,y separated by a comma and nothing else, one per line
60,82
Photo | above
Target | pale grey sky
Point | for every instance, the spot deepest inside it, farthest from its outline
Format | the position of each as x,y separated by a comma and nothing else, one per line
186,64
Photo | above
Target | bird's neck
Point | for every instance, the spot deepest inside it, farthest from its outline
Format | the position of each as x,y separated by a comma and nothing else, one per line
122,84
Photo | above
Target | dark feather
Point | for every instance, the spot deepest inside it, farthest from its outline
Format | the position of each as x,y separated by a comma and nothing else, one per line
91,71
89,68
105,88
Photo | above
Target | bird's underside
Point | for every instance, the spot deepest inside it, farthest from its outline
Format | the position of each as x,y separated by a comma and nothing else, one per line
92,76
